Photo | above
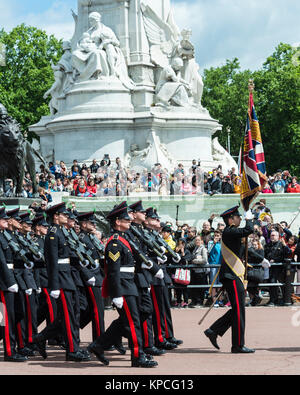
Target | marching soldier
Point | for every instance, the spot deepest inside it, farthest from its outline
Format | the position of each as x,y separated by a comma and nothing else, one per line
120,286
159,293
232,277
23,270
8,289
46,304
93,279
62,288
144,279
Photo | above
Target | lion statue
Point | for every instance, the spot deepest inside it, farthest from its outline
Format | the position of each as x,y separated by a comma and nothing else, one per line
16,154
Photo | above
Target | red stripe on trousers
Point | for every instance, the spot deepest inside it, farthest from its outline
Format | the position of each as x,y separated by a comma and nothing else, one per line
146,334
20,336
6,328
49,304
96,313
166,325
132,329
67,321
155,304
29,319
238,312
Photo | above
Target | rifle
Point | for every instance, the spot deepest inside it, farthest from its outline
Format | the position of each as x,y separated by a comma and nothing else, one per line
176,258
28,244
150,243
83,249
16,250
75,248
100,247
143,257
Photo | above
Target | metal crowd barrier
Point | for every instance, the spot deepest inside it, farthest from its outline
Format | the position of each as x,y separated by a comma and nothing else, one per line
288,275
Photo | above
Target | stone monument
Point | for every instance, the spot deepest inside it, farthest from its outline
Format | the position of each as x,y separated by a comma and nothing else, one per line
127,85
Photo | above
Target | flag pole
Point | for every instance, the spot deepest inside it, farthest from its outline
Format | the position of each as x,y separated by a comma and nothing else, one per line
251,87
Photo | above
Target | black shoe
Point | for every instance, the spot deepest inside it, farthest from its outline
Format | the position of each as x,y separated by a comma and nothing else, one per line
212,337
120,348
110,348
174,340
166,345
85,354
15,358
256,300
241,350
154,351
149,357
143,362
77,356
192,305
99,353
26,352
39,341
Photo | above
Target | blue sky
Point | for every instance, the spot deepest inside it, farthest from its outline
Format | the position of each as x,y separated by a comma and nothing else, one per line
222,29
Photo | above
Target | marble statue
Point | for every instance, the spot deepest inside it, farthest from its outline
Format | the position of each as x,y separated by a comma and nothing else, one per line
98,54
171,89
64,78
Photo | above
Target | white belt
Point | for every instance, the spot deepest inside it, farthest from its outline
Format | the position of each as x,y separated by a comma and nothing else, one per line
10,265
65,261
127,269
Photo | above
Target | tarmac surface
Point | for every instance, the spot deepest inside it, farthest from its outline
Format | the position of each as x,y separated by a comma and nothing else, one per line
273,331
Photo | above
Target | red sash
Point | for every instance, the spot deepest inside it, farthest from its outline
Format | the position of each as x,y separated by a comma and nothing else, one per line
105,293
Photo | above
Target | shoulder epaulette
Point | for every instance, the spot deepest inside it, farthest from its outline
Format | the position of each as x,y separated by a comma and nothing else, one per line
53,229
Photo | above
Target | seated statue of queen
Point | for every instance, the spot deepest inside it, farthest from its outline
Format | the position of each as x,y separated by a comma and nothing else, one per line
98,54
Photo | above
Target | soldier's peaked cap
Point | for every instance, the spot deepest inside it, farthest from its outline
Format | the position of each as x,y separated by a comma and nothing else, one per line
25,217
232,211
137,207
151,213
40,221
3,214
57,209
90,217
119,212
14,213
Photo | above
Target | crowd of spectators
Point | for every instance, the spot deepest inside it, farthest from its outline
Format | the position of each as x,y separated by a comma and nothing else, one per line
270,243
107,178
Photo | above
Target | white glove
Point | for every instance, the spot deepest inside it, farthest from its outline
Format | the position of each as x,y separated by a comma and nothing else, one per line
178,259
92,281
266,264
39,290
162,260
248,215
55,294
14,288
160,274
118,302
28,291
144,266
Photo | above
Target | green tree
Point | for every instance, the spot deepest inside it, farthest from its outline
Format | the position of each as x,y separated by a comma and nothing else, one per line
27,74
277,103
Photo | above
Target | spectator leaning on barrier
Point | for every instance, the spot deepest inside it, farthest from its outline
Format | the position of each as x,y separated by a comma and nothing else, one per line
276,251
199,275
293,187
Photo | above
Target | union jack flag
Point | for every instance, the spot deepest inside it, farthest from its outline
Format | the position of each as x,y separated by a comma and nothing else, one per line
253,164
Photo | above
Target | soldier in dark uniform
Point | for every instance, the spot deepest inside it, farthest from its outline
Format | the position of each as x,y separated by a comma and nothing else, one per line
23,270
8,289
119,284
92,279
62,288
162,321
46,304
232,277
144,279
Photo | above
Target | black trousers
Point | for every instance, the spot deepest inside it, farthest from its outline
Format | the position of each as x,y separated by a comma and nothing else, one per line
28,326
47,309
66,323
94,312
197,294
126,325
162,319
235,317
8,326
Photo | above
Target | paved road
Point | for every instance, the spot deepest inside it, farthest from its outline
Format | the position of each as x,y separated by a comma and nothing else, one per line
273,331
